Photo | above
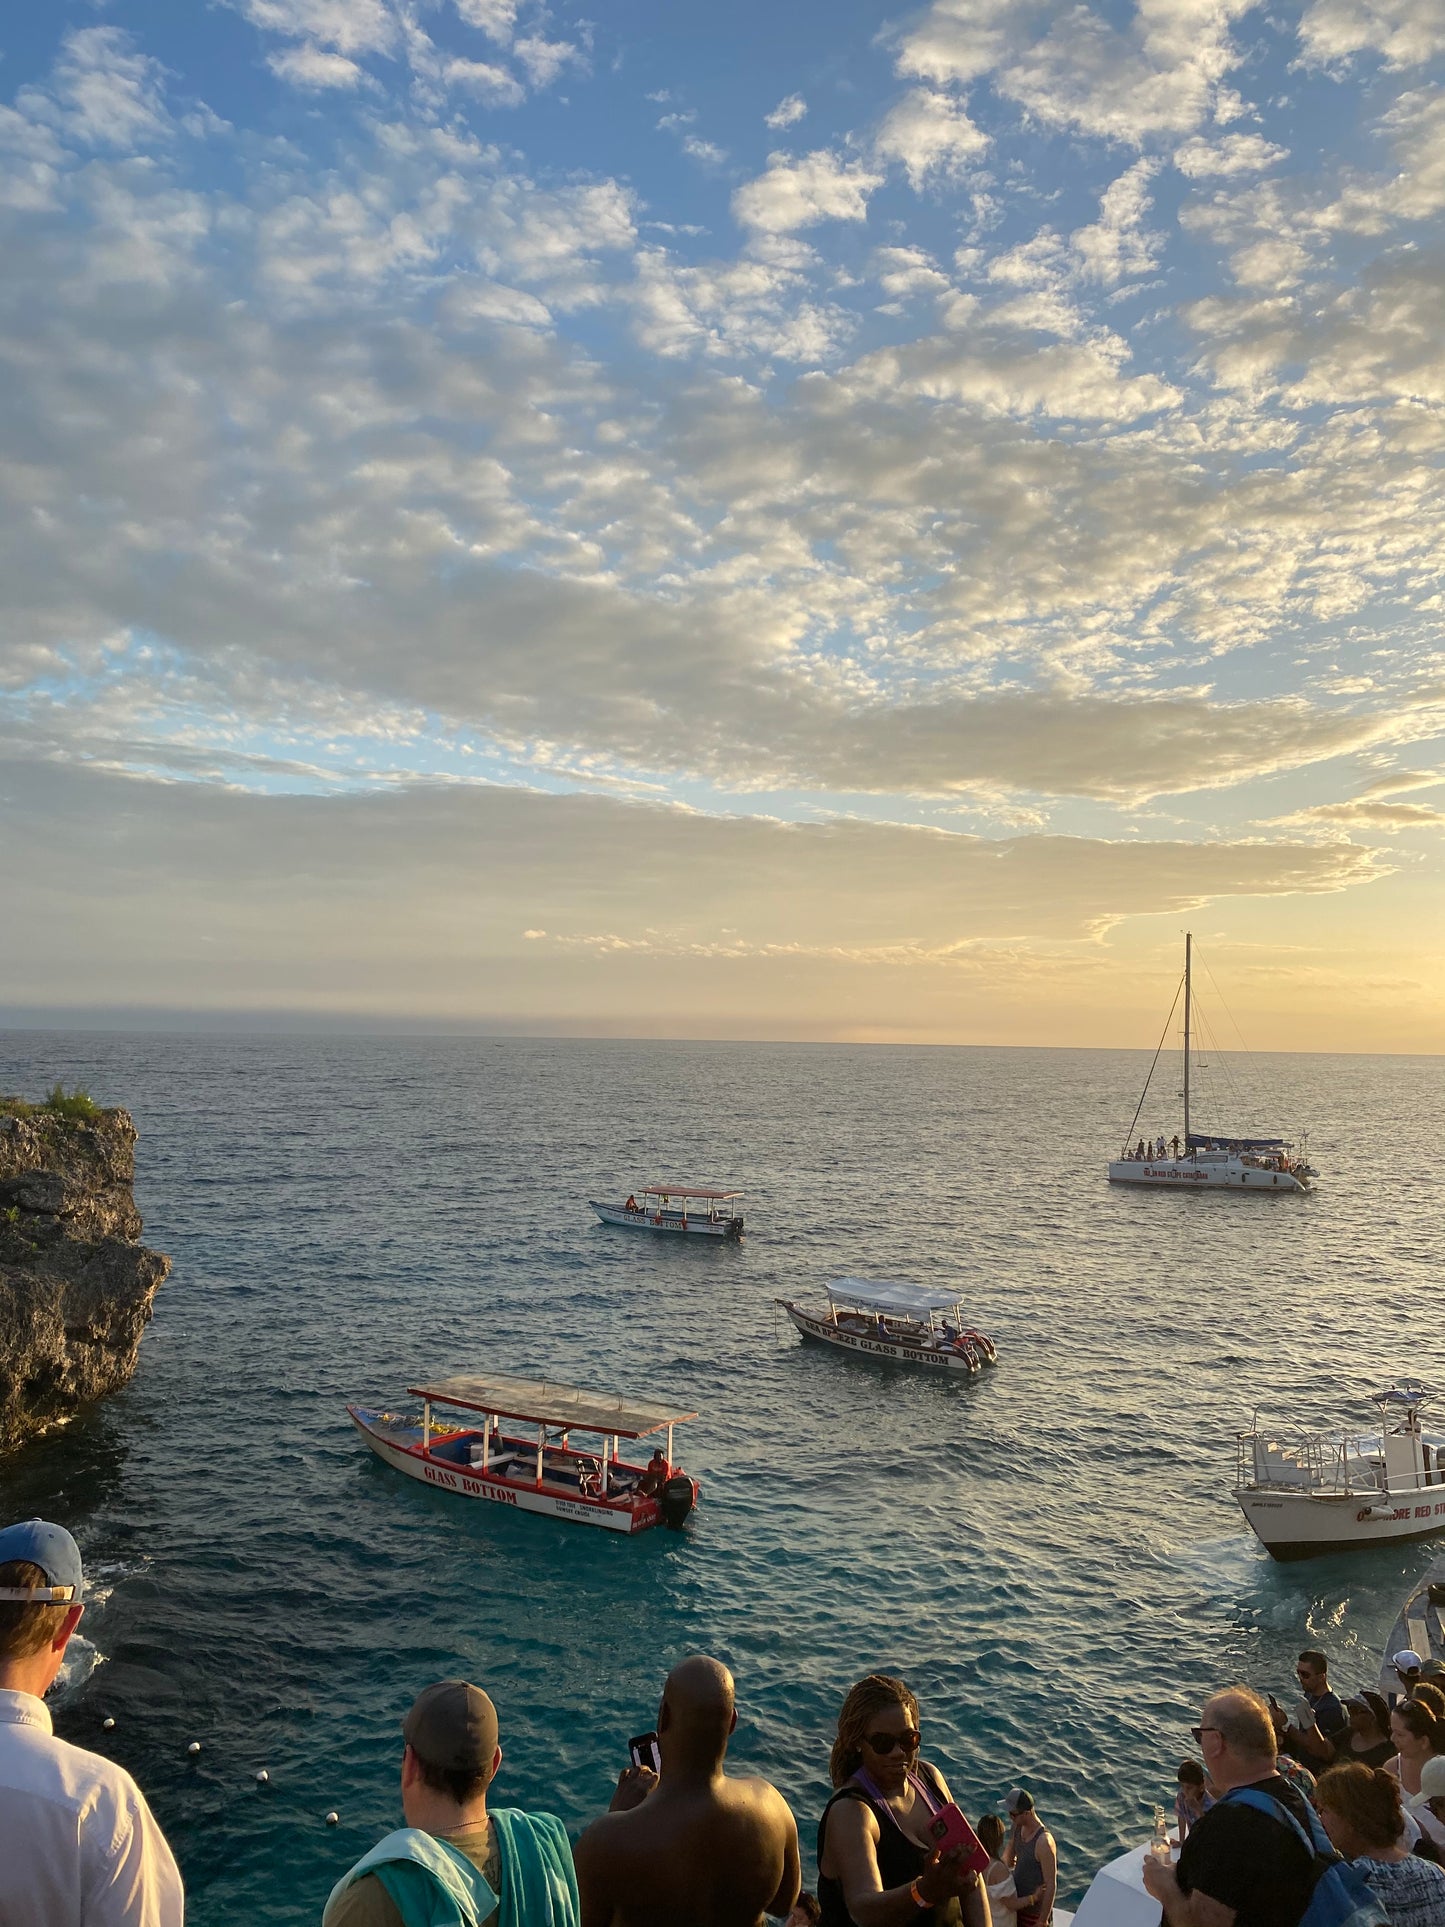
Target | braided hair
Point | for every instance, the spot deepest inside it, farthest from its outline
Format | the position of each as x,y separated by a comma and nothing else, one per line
868,1697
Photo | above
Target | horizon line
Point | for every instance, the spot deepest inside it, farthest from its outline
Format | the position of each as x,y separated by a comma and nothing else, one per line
130,1021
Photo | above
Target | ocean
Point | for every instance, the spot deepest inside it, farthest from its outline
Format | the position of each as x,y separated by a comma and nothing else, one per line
1048,1553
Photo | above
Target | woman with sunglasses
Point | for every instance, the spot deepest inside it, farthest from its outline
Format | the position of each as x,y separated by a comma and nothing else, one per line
876,1862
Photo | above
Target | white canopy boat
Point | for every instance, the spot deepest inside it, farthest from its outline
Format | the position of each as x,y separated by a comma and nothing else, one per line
1419,1629
1333,1494
1206,1160
677,1207
911,1323
544,1472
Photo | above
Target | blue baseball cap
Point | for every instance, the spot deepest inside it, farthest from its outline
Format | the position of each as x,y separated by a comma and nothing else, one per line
54,1551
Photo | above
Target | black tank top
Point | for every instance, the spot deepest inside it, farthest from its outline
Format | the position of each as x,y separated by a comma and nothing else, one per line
900,1860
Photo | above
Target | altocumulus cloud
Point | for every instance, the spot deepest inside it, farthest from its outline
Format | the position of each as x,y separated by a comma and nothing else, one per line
349,439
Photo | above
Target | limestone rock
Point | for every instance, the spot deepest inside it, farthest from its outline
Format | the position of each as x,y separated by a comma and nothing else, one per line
76,1285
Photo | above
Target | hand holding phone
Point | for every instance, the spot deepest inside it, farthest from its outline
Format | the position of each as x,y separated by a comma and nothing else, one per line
949,1830
643,1750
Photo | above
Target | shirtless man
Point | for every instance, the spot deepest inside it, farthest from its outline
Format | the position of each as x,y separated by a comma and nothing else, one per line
690,1844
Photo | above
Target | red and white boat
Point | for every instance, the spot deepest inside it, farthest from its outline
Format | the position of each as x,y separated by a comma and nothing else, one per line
686,1208
540,1471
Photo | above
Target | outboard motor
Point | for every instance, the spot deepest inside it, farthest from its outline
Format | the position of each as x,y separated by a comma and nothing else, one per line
676,1500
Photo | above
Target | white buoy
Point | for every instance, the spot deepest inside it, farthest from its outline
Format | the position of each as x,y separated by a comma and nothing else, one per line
108,1724
332,1818
263,1777
194,1747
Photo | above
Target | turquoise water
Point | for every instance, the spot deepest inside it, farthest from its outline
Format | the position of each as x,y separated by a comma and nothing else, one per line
1048,1553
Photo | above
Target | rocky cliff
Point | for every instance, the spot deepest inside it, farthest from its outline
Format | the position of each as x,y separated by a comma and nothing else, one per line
76,1284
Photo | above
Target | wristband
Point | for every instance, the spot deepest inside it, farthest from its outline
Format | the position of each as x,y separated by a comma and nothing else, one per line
915,1894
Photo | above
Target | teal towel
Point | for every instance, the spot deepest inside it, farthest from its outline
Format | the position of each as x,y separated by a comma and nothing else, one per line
433,1885
539,1882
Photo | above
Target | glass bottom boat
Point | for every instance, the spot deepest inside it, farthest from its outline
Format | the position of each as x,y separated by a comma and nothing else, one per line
908,1323
677,1208
542,1470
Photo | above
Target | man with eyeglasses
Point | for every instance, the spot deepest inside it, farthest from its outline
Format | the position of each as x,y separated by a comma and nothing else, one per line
1239,1867
690,1843
79,1847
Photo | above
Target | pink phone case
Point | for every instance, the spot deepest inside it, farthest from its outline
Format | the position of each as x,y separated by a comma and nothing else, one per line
948,1828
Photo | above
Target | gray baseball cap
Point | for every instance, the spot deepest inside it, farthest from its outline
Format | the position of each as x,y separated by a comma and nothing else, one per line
452,1726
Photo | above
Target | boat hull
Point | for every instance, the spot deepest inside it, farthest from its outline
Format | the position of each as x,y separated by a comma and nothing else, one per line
827,1333
668,1221
1307,1525
1201,1174
470,1483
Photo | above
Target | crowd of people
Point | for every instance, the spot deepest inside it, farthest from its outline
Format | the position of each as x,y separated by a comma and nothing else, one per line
1352,1791
1340,1799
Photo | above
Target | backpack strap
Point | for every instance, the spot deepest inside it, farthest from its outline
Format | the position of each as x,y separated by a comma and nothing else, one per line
1316,1842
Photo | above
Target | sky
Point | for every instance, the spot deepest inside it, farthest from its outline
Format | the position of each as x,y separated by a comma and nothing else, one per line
813,521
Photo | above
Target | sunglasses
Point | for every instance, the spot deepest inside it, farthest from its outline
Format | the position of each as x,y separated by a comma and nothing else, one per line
1200,1731
884,1743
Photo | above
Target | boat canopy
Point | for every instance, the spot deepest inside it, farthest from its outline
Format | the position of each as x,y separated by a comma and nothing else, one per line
1401,1395
1209,1140
916,1300
686,1191
547,1401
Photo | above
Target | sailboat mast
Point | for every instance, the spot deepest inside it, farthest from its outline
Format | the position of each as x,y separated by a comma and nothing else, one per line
1188,944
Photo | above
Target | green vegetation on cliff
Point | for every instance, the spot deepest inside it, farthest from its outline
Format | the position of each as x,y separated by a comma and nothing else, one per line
77,1104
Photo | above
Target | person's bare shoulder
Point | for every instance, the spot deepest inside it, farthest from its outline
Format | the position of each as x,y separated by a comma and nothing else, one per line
762,1797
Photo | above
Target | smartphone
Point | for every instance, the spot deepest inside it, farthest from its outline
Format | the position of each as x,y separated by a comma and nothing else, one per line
644,1751
948,1828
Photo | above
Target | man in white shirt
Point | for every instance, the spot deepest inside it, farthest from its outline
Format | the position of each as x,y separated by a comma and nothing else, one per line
79,1847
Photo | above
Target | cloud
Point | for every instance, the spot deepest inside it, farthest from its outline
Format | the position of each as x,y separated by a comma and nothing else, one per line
448,900
347,26
1376,806
1162,73
544,59
103,92
1405,33
800,193
1200,159
960,40
314,69
788,112
495,18
1117,246
930,134
493,84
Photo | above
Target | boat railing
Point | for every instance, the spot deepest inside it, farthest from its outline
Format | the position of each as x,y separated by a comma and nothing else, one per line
1306,1464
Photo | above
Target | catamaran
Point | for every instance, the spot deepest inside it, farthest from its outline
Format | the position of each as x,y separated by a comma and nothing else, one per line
1207,1160
1332,1494
910,1323
588,1484
677,1207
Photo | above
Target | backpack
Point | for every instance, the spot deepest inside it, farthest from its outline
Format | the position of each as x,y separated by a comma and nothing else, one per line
1342,1896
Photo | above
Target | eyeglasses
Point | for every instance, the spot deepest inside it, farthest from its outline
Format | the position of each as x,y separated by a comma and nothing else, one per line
884,1743
1200,1731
